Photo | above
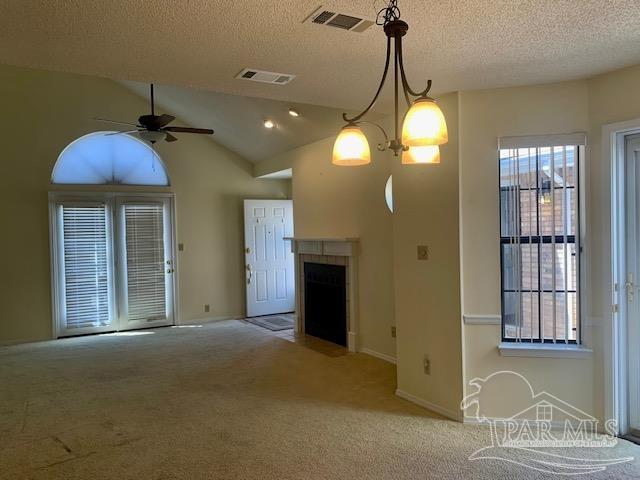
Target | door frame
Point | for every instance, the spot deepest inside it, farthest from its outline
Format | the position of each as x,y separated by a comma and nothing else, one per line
246,254
57,196
615,326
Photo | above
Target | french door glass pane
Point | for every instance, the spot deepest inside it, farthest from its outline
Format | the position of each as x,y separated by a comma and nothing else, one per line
145,261
86,266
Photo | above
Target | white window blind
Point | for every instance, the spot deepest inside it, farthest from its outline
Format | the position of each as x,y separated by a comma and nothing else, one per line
86,265
145,261
539,238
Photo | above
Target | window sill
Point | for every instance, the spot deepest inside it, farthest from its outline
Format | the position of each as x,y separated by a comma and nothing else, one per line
509,349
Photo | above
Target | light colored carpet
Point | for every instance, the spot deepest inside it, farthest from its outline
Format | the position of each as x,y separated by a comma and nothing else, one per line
227,400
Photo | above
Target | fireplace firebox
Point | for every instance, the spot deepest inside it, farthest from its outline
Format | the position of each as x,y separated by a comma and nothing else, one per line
325,302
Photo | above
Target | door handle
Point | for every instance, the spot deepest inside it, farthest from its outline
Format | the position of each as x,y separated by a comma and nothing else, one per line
630,286
250,273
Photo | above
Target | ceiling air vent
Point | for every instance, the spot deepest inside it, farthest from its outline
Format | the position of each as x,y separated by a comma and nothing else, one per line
353,23
265,77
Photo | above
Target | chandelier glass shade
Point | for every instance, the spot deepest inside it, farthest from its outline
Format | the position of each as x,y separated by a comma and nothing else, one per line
423,154
423,127
351,147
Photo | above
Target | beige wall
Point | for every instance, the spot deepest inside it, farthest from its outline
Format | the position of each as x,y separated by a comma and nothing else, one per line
484,116
331,201
42,112
427,293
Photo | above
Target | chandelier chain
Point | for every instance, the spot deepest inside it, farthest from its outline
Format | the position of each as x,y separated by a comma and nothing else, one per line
390,13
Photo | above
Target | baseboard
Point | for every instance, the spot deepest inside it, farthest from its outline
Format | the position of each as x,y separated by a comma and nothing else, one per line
555,425
457,416
212,319
381,356
9,343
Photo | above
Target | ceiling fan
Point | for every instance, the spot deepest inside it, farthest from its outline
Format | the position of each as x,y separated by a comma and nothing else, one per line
155,127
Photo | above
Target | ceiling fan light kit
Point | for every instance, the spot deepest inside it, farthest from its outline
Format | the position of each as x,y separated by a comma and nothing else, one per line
423,129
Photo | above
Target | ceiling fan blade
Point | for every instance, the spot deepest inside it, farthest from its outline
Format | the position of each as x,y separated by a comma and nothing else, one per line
115,121
165,119
204,131
169,138
120,133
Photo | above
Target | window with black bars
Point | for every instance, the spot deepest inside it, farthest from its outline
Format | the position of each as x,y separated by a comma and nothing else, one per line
539,244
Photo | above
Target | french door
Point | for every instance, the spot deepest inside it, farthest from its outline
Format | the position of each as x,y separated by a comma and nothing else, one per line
113,262
632,230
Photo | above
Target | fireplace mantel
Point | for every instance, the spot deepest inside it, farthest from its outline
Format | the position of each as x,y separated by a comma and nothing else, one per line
342,247
333,251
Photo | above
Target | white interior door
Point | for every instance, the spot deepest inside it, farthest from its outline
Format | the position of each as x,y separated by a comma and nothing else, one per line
145,262
632,175
269,261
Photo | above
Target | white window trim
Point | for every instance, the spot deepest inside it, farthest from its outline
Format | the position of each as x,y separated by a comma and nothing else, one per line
56,197
543,350
580,140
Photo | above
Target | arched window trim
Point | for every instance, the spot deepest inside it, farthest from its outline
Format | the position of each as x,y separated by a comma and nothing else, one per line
155,154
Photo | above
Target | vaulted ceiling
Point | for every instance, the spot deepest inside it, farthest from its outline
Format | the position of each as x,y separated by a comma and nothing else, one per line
238,121
204,43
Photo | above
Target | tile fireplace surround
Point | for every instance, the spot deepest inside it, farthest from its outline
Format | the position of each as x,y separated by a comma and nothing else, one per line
332,251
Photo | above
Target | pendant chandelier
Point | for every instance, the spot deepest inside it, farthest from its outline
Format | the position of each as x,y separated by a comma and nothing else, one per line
423,128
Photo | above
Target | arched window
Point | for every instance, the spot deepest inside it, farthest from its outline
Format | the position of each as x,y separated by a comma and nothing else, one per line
102,159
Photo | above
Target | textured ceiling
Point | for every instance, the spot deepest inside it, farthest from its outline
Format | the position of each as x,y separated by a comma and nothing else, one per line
238,122
466,44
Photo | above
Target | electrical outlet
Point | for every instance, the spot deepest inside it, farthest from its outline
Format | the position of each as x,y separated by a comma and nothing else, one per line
427,365
393,332
206,308
423,252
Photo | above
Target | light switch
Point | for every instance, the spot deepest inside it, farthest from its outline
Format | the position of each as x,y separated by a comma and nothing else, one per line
181,247
423,252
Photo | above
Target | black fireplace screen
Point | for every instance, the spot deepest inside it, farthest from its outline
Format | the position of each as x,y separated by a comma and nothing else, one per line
325,302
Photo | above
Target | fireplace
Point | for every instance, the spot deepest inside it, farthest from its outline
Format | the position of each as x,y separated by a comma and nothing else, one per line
325,302
340,255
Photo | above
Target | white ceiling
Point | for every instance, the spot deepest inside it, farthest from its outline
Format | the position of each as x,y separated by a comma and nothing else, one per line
466,44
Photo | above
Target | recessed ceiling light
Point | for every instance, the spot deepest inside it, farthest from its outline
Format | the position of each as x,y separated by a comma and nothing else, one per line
293,112
269,124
